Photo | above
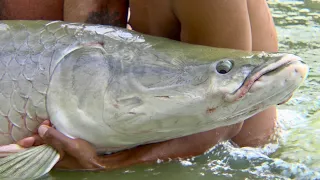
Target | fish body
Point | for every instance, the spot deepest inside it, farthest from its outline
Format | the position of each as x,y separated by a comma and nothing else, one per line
117,88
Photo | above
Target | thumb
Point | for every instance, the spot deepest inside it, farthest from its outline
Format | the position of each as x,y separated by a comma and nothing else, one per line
42,130
53,138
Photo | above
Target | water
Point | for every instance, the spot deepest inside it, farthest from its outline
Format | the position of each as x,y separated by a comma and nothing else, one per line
297,152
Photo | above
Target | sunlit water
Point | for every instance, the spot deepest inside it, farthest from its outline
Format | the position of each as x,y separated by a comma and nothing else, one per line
297,152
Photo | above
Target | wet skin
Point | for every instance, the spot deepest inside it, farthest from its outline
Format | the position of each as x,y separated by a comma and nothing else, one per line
237,24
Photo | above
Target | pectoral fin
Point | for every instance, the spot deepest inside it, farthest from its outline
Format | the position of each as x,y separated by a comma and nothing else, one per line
29,164
10,149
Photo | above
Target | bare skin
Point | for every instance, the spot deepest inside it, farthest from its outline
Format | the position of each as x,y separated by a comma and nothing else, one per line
237,24
109,12
29,9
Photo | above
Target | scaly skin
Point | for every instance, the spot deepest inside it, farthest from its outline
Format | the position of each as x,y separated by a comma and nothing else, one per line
28,51
117,89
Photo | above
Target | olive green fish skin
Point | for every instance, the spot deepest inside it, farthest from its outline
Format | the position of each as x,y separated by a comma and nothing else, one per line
117,88
28,51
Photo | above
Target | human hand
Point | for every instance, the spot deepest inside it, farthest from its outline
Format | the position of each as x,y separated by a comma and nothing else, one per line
23,144
74,153
78,154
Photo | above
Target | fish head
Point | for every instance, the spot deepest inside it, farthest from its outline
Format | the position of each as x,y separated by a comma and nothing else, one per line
202,89
225,76
202,82
249,84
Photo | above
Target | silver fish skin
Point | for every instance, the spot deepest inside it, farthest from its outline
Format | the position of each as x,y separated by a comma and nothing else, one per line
117,88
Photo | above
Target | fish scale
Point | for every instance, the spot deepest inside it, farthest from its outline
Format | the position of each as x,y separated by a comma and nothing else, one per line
29,54
25,79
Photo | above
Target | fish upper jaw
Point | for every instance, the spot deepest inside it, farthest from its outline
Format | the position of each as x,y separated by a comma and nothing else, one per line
289,64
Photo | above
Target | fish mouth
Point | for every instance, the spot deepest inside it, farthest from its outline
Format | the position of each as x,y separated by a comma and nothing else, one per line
253,77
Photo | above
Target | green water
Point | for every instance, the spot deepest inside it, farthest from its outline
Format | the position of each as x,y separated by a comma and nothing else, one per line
296,155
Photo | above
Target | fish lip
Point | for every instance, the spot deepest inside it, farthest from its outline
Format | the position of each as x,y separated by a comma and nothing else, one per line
252,78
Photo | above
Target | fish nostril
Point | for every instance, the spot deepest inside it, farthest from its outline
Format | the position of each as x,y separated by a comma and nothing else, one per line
296,71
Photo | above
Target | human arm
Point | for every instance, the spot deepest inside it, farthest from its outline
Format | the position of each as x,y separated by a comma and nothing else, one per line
77,154
245,25
257,130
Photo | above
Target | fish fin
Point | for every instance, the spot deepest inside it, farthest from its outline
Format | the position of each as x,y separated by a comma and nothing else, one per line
29,164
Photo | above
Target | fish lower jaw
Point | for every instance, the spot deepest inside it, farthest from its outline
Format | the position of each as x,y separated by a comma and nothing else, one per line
250,107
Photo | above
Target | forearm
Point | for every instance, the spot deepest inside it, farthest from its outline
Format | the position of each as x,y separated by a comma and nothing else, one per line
264,35
108,12
257,130
184,147
146,154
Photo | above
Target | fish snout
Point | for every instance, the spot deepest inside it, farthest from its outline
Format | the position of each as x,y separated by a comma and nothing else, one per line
296,66
284,73
298,72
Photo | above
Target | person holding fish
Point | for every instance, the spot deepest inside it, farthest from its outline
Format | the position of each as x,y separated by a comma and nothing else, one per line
235,24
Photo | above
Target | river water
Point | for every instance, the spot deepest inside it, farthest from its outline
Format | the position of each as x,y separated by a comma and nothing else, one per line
295,155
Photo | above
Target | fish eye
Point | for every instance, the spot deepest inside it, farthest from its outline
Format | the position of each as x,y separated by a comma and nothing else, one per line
224,66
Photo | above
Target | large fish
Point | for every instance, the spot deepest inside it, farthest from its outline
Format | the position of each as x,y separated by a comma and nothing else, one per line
118,89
